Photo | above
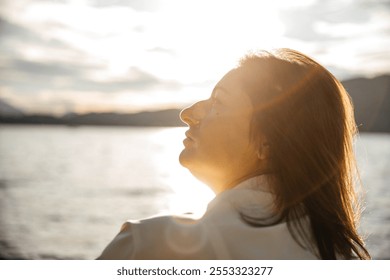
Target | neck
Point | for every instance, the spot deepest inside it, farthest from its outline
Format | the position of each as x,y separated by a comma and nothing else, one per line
219,186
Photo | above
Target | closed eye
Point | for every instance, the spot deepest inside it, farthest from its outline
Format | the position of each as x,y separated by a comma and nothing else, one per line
214,97
214,101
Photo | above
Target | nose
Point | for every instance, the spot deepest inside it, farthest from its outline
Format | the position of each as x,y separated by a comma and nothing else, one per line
192,114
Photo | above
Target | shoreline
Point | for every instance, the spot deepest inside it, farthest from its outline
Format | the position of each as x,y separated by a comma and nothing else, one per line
8,252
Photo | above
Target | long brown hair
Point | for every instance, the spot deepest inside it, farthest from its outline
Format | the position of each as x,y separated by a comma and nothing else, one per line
307,117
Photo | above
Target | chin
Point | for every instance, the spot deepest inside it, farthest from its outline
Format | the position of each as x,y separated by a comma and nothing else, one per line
186,158
183,158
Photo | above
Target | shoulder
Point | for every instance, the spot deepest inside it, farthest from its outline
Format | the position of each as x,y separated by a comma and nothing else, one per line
171,237
164,237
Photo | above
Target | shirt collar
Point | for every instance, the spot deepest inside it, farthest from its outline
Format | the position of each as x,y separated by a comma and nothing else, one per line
258,183
252,197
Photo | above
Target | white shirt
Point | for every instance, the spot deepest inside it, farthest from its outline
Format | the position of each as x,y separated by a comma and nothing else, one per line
219,234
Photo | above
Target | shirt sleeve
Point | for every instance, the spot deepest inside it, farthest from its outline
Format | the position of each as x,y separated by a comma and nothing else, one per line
122,246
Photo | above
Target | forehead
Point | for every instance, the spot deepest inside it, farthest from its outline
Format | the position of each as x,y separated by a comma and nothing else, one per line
231,82
230,90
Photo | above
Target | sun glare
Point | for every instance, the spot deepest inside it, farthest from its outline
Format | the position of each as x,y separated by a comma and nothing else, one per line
189,43
189,194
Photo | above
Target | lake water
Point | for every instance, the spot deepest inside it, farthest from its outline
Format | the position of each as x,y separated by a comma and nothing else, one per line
65,191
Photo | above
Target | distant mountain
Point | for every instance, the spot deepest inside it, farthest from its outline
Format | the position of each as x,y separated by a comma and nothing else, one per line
168,117
8,110
371,99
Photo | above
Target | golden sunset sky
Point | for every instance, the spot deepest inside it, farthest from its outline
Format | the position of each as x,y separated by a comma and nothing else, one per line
131,55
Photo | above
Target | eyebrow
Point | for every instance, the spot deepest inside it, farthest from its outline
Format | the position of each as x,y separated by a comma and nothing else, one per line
218,88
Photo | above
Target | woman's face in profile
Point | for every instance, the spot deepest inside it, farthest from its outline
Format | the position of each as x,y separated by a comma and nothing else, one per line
218,149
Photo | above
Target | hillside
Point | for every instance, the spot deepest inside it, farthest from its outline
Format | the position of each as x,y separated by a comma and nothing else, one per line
9,111
168,117
371,98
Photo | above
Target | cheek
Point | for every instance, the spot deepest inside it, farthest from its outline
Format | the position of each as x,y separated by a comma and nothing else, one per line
227,140
220,142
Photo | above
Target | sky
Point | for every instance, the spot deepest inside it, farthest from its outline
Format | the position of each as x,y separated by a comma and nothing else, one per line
84,56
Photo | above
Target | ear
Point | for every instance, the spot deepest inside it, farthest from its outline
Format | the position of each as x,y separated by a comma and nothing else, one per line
264,151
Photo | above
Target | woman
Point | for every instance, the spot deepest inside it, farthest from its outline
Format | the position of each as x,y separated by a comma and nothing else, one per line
274,142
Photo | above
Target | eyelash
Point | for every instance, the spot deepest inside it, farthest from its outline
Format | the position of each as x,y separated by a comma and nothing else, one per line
213,103
214,100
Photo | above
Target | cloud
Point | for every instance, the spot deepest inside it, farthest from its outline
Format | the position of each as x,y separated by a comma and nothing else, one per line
29,77
12,33
141,5
162,51
47,59
140,50
20,66
10,29
51,88
309,23
23,43
136,80
350,37
299,22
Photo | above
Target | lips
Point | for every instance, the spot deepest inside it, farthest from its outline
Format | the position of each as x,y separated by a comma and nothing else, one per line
189,140
188,135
